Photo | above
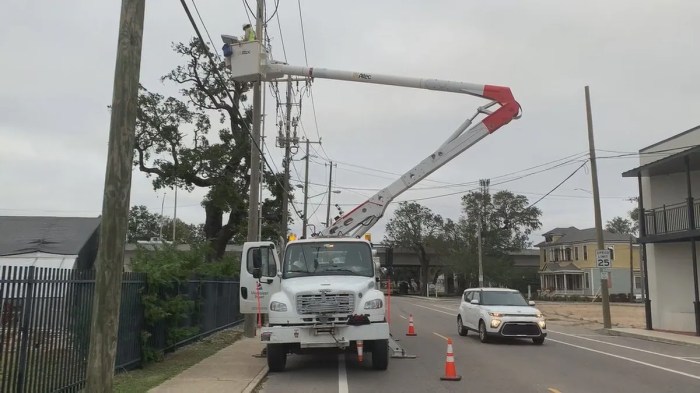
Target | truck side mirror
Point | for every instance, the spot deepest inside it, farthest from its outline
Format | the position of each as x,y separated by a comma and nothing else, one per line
257,263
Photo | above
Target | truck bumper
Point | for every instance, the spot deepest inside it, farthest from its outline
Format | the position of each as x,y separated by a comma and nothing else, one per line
324,336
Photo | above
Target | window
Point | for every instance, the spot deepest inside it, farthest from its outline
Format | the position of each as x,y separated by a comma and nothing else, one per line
476,296
467,296
328,258
612,252
576,253
545,255
268,267
567,254
637,282
585,253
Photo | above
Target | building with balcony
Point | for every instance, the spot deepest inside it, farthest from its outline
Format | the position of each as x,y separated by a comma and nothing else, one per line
568,263
669,226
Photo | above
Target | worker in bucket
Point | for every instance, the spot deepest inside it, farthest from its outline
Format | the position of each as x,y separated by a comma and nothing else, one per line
248,33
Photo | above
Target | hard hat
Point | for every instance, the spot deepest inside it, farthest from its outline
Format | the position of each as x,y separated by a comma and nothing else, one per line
245,26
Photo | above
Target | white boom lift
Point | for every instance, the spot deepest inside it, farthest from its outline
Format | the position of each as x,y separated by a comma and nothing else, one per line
325,293
248,61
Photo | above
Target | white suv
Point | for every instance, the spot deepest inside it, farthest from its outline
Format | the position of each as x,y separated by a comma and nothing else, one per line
500,312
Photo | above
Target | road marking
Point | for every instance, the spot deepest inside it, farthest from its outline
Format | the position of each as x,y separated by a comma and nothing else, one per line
552,390
627,347
628,359
441,336
403,317
454,314
342,375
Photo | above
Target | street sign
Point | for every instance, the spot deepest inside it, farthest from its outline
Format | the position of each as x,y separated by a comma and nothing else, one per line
603,259
604,275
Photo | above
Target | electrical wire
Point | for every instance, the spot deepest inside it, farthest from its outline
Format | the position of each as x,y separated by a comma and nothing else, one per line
558,185
206,30
228,94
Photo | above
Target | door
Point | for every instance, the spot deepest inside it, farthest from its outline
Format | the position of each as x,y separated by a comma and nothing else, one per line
255,292
473,311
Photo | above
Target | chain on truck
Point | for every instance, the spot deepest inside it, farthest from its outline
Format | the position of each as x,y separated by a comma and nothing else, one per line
325,292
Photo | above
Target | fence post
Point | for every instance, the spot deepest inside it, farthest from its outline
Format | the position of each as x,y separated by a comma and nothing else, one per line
26,318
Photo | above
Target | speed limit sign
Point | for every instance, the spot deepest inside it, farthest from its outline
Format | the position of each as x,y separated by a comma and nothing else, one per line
603,259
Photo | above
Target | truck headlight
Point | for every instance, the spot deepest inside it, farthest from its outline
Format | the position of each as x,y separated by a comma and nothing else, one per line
372,304
278,306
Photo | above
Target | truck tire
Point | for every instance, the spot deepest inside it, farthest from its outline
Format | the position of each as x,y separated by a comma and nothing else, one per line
276,357
380,354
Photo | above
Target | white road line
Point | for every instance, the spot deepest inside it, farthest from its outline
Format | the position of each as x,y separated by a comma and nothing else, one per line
342,375
628,359
454,314
626,347
441,336
403,317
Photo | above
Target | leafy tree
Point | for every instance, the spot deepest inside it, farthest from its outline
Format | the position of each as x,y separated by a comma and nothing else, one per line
415,227
177,145
619,225
144,225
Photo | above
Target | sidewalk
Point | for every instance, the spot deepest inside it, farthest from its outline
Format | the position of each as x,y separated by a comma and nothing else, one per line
656,335
231,370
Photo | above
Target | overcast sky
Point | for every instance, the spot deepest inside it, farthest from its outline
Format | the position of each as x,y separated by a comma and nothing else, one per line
639,57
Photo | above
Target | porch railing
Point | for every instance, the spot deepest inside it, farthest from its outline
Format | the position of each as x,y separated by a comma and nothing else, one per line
670,218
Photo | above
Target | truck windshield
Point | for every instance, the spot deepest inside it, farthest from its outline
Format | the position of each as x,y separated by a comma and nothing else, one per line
328,258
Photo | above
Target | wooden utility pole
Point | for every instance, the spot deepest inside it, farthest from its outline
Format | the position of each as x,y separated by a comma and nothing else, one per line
631,299
604,293
305,219
287,161
254,197
115,204
330,192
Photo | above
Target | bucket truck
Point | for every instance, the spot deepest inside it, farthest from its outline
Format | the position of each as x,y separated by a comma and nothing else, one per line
325,292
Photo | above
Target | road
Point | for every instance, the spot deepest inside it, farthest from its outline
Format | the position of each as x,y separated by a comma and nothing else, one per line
572,360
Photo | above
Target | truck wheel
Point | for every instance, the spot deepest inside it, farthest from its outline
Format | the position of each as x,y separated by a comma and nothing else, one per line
380,354
276,357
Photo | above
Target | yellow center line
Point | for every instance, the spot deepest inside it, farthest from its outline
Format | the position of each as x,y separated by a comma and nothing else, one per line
441,336
552,390
403,317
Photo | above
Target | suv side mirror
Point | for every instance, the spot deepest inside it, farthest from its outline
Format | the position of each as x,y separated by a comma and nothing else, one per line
257,263
531,302
474,301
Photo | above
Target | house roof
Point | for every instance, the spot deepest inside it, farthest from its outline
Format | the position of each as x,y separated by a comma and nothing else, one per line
560,231
51,235
674,163
574,235
555,267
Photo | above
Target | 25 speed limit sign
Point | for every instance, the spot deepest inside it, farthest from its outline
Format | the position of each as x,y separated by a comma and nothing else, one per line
603,259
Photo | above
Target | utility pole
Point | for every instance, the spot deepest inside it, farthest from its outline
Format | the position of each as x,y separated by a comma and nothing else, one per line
305,220
631,269
287,161
604,293
484,183
175,216
254,195
115,205
330,183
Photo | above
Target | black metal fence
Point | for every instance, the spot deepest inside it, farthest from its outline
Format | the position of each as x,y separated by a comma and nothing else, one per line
45,320
670,218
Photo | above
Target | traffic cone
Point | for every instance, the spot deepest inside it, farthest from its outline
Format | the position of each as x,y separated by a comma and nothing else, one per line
411,329
360,347
450,370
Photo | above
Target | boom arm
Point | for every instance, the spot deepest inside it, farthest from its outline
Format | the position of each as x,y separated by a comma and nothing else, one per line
358,221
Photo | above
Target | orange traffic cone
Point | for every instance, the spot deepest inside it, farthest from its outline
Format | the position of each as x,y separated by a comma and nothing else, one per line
411,329
360,346
450,370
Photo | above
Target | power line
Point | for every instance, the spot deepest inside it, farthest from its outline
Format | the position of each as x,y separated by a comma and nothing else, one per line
558,185
228,94
205,29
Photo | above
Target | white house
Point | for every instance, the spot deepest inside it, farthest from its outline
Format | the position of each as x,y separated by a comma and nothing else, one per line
669,179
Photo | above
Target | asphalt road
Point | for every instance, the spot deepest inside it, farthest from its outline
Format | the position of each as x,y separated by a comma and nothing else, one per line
572,360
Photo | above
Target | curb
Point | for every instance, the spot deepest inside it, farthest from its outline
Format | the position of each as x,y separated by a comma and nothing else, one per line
664,340
256,381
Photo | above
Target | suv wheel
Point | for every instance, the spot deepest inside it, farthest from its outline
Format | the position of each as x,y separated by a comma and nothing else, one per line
460,327
483,336
538,340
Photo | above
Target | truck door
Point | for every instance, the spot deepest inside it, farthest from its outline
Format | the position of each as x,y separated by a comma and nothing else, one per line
258,258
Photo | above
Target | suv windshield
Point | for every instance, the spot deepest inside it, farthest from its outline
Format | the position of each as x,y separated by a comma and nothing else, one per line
502,298
328,258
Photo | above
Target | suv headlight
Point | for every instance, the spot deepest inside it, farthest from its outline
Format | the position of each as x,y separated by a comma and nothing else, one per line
278,306
372,304
495,314
540,315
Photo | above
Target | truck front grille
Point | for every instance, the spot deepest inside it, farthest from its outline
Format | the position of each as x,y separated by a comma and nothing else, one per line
340,303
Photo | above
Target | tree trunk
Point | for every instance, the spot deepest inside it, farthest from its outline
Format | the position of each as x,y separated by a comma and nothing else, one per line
424,273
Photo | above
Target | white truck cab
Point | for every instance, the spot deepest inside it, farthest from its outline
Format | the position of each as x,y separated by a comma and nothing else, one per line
324,294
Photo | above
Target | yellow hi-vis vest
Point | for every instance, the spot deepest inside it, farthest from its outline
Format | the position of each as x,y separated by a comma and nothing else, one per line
250,35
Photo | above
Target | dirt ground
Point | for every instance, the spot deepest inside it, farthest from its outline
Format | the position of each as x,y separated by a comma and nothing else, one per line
591,314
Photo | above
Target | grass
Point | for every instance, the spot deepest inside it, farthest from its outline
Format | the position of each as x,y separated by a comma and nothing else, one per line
152,375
